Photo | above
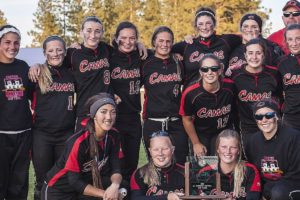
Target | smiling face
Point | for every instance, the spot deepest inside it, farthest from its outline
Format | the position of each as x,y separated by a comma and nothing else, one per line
91,33
104,119
249,30
290,19
55,53
161,151
210,77
205,26
228,150
267,126
254,56
127,40
163,44
293,41
9,47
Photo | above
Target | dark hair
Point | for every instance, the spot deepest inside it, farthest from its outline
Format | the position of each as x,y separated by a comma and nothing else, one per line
252,16
94,152
161,29
291,27
258,41
205,11
124,25
9,27
53,38
91,19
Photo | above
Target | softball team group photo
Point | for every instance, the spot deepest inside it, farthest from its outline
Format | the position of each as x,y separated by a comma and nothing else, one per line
79,118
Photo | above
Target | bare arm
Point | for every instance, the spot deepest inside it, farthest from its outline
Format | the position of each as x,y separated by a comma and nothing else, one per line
199,149
93,191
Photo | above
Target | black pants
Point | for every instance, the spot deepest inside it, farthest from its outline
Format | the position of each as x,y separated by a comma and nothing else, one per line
46,149
52,193
208,141
14,167
280,190
177,133
130,129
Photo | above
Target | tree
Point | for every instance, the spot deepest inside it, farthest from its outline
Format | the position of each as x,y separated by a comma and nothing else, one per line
106,11
3,20
45,23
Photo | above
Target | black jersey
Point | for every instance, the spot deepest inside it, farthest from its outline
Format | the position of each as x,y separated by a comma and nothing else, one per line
212,112
162,79
289,69
125,80
91,72
54,111
171,178
277,158
16,91
237,57
250,187
72,172
253,87
219,45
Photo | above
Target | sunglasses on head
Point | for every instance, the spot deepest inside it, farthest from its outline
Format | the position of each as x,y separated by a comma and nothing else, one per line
159,133
294,14
268,115
212,68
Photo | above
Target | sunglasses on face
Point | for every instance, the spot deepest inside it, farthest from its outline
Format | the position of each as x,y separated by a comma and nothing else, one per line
159,133
294,14
268,115
212,68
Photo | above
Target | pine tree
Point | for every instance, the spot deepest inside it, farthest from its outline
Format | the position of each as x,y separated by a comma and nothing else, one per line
106,11
45,23
3,20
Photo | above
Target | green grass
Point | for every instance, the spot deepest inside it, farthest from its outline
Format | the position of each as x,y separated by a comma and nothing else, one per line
142,161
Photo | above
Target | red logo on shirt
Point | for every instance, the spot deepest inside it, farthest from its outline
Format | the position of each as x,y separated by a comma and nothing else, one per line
117,73
161,78
290,79
85,65
205,113
250,96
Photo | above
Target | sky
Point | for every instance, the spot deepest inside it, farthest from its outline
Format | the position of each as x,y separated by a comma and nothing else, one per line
20,14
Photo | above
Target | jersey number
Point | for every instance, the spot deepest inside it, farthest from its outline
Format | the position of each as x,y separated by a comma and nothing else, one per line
222,122
134,87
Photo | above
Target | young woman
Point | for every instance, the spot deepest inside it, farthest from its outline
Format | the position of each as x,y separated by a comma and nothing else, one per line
254,81
207,106
15,117
290,73
240,180
161,178
250,28
125,80
162,76
207,42
53,122
275,150
90,164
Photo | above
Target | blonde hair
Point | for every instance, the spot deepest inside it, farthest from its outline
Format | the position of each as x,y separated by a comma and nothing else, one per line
149,171
239,169
45,78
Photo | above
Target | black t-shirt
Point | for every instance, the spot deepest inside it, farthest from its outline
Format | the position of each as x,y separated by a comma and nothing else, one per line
16,91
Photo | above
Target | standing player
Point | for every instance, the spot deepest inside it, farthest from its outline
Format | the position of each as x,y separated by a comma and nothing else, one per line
162,76
15,117
206,106
250,28
291,15
206,42
290,74
253,82
53,122
125,80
